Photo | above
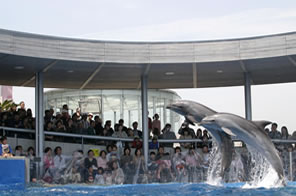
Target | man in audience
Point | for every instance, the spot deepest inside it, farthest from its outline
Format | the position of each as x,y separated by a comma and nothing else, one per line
274,133
168,134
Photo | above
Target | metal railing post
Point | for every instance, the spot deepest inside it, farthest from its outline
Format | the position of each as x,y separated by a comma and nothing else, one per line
291,165
82,144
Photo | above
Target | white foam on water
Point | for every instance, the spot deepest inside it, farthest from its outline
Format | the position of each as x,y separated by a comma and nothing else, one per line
262,173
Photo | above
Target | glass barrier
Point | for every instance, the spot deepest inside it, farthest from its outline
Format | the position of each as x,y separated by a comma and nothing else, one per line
121,160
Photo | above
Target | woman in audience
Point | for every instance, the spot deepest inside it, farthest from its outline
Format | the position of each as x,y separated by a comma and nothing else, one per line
126,163
102,160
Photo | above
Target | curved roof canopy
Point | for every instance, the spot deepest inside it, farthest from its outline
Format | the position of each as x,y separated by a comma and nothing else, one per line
90,64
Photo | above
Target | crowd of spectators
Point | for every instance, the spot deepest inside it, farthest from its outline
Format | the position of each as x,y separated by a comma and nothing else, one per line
120,162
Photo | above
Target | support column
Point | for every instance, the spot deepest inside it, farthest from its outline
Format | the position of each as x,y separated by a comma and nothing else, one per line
248,98
39,119
144,96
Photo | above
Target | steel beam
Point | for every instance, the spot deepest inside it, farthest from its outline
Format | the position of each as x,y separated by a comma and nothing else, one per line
39,119
144,96
248,98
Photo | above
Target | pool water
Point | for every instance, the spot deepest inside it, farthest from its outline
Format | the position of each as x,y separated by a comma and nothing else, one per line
151,189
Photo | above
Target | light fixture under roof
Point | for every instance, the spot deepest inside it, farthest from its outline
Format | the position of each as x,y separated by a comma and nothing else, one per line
219,71
170,73
19,67
70,71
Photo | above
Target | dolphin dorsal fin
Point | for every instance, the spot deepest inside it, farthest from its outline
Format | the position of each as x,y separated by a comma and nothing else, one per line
261,123
190,119
228,131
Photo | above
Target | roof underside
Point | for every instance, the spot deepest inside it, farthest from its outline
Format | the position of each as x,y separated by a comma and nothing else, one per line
70,63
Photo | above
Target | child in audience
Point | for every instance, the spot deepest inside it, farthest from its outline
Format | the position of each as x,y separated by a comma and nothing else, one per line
100,179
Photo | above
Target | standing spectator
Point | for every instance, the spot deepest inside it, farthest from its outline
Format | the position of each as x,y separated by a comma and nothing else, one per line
121,123
98,125
274,133
89,117
135,130
156,122
78,114
108,125
185,126
167,134
84,121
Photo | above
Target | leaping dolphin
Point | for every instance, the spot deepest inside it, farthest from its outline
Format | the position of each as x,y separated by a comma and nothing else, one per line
194,113
249,132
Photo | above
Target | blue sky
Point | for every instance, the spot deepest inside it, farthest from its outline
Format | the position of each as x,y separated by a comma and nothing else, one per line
165,20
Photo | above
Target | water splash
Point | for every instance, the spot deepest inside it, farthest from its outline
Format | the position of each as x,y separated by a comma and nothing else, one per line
213,177
262,173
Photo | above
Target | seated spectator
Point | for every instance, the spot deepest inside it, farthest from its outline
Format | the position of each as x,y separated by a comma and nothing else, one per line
152,167
153,144
114,151
19,151
5,149
31,157
137,143
100,179
184,137
108,177
193,160
119,133
90,175
90,161
60,160
48,163
160,153
167,134
179,164
102,160
126,163
139,166
117,173
49,128
205,156
74,176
